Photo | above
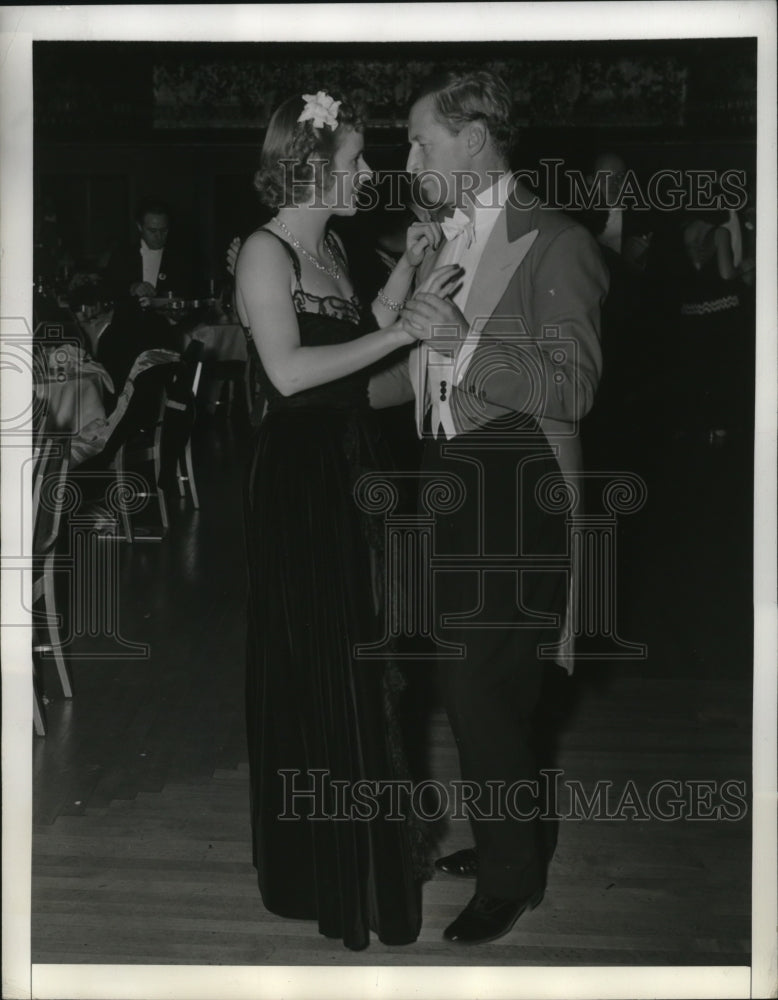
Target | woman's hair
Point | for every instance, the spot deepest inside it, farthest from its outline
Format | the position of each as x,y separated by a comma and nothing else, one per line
295,155
710,211
712,216
461,98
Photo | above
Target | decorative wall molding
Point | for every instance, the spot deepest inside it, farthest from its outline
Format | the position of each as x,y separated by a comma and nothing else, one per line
102,91
639,91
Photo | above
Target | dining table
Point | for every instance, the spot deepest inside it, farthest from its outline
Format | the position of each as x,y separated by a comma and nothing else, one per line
225,352
206,320
93,322
223,339
215,325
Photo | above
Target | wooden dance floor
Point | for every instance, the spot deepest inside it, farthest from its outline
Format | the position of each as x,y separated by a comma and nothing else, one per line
141,849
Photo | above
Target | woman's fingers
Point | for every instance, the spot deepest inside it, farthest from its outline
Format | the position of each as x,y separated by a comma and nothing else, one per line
431,231
441,277
443,274
436,233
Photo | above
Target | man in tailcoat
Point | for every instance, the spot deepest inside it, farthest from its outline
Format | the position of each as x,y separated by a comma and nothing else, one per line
508,362
150,267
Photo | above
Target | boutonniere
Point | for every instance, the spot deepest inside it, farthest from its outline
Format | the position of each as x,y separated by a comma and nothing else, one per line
161,276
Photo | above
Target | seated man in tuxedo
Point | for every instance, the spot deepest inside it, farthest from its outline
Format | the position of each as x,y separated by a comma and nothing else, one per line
148,268
151,266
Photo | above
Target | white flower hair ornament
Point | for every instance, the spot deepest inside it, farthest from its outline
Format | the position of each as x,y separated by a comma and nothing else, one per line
320,109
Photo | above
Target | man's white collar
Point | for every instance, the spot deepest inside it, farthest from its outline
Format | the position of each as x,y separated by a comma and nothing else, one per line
493,198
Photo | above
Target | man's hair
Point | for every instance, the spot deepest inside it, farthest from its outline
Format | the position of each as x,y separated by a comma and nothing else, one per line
151,206
479,95
609,154
295,154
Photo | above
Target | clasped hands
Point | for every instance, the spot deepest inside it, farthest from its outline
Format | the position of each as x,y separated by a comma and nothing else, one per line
431,315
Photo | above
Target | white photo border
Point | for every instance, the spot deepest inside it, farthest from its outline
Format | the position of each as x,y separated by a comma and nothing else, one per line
19,27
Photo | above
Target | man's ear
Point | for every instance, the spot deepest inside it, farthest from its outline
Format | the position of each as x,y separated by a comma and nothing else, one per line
477,134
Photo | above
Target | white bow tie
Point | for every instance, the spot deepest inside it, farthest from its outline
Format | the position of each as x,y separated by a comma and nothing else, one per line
459,223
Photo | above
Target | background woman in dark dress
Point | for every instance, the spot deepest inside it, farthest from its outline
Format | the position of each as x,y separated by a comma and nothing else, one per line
311,705
707,388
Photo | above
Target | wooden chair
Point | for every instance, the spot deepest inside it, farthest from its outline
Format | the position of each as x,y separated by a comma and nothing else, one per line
40,401
180,417
49,496
227,376
135,436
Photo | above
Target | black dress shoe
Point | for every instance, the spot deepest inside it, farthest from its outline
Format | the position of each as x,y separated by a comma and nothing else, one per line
486,918
462,863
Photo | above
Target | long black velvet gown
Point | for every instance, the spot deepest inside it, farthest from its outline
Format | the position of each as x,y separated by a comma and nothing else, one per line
310,704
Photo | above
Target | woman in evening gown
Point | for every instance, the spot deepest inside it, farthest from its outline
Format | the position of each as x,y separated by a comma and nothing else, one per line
316,714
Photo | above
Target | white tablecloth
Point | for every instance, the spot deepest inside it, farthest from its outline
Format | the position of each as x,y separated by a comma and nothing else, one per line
72,404
93,327
73,387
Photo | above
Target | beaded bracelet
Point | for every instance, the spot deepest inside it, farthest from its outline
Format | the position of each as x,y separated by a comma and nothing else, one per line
390,304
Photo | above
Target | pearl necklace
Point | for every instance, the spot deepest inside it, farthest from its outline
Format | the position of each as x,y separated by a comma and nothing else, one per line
333,272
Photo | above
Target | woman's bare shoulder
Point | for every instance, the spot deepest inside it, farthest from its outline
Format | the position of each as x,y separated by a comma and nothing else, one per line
263,241
263,249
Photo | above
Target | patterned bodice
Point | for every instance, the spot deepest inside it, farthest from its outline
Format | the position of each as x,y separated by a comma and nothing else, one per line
323,320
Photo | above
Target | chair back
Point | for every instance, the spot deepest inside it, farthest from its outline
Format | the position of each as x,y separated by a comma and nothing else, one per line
143,399
184,384
49,492
180,408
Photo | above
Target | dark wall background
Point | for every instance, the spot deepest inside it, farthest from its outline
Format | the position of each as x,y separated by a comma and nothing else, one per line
115,122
